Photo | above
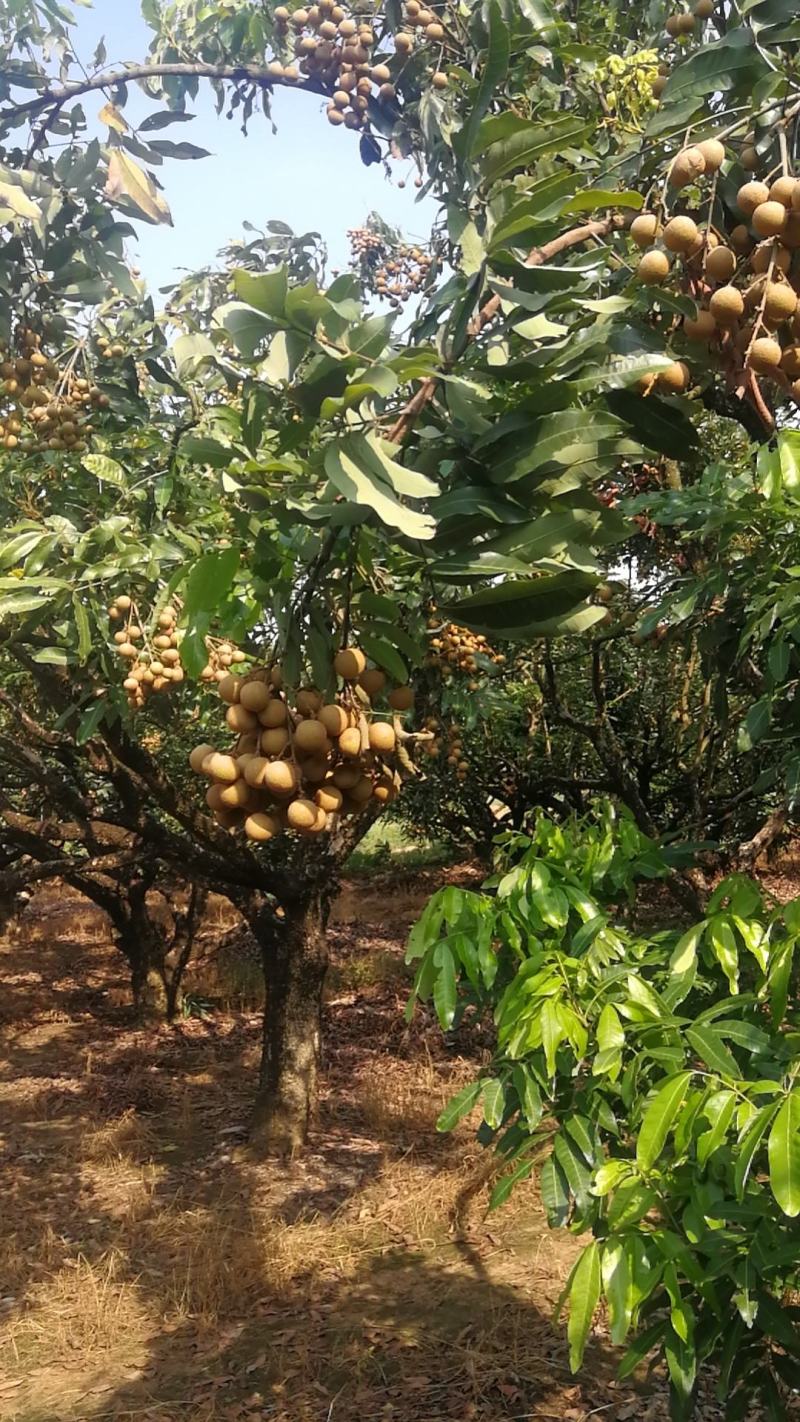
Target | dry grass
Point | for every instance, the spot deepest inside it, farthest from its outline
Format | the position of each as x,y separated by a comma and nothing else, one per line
152,1270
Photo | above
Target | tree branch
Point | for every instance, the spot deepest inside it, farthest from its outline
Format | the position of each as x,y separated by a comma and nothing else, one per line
56,95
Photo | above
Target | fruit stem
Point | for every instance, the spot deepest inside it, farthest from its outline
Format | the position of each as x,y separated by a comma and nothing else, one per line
759,321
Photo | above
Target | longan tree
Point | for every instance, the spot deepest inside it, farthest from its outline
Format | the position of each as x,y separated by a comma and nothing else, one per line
288,482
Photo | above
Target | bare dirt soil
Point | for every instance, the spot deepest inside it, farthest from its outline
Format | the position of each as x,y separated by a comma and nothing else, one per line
150,1269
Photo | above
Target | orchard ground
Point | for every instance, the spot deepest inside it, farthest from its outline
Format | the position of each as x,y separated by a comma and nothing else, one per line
150,1269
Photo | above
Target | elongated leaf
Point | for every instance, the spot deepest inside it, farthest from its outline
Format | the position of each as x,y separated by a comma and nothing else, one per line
784,1155
584,1297
533,141
444,987
751,1139
659,1119
712,1050
354,476
127,180
492,72
494,1101
459,1107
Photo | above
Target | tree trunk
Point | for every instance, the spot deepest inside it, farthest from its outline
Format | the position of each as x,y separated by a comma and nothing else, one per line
149,985
295,958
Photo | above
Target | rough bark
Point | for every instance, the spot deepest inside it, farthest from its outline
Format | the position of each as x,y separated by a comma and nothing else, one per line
295,958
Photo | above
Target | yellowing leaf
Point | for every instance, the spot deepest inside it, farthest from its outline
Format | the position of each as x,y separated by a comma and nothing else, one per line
127,179
112,118
21,205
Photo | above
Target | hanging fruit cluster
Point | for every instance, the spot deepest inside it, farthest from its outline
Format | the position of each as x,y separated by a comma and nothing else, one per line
298,761
682,23
740,267
151,652
457,649
43,407
335,45
447,746
391,270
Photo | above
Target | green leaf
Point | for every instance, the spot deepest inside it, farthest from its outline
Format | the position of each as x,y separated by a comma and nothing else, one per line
522,148
749,1143
444,987
85,639
267,293
525,606
107,470
247,327
615,1269
630,1203
459,1107
554,1192
352,472
755,724
723,942
784,1155
712,1050
640,1348
210,579
385,656
659,1119
494,1101
492,71
584,1296
592,198
714,68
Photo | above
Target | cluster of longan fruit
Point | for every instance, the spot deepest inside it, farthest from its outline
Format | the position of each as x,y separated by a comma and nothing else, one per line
335,45
154,661
298,760
684,22
395,273
742,274
44,408
447,746
456,649
109,349
222,655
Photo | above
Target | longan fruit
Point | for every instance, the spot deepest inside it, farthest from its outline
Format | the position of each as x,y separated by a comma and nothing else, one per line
310,736
403,42
254,770
681,235
236,795
401,699
350,742
749,158
439,80
768,253
334,719
381,73
740,239
726,305
713,152
675,379
261,827
329,798
658,85
750,196
274,713
280,778
780,301
434,31
335,116
221,767
346,776
686,24
228,689
372,681
301,814
703,328
254,696
274,740
653,268
672,26
123,603
720,264
782,190
238,718
765,355
769,219
198,755
790,362
704,9
687,168
362,790
645,229
349,663
790,236
382,737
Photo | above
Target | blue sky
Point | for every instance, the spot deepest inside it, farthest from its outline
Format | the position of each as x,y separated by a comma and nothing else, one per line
308,174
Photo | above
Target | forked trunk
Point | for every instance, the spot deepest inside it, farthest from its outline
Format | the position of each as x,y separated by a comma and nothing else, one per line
149,984
295,957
